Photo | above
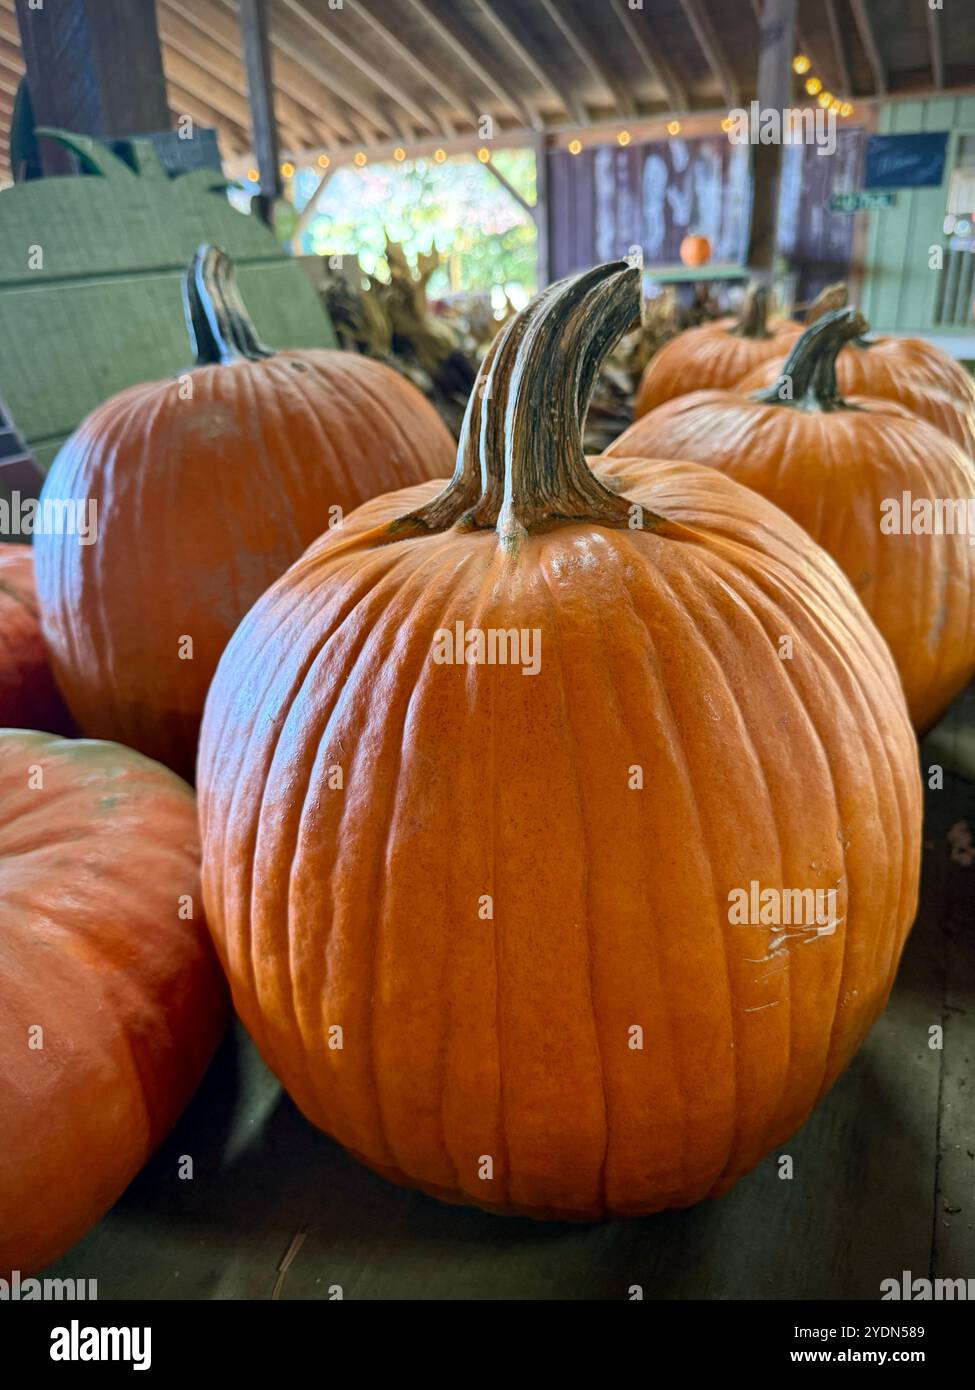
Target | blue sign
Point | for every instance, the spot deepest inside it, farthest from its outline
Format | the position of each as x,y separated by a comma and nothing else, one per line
906,161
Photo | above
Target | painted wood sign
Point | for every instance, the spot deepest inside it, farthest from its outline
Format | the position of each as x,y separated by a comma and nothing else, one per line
90,274
906,161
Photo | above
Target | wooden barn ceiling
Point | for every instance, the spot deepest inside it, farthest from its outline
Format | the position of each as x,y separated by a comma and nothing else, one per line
375,71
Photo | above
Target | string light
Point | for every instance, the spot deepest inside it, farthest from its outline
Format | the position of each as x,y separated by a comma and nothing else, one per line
399,154
825,99
253,176
835,104
673,127
813,86
624,137
287,170
359,159
846,109
484,155
727,123
440,156
324,161
801,64
575,147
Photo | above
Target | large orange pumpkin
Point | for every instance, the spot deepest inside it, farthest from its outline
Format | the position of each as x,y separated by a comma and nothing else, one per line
842,468
716,355
910,371
29,697
474,908
208,486
111,1002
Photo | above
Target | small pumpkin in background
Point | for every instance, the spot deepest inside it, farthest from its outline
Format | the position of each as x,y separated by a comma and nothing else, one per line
29,697
111,1000
555,831
914,373
208,486
842,467
695,250
714,354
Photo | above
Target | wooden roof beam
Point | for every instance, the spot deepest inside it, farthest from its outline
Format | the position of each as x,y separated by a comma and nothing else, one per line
599,70
207,87
638,29
869,40
433,79
392,89
454,37
707,40
935,45
222,30
839,48
184,103
572,105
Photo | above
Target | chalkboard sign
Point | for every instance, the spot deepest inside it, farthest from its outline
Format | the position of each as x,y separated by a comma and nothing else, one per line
906,161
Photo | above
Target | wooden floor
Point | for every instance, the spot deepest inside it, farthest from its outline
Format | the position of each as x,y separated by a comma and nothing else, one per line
884,1171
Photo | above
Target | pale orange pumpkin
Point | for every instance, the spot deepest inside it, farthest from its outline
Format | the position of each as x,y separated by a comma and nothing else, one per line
207,487
111,1000
841,466
715,354
475,912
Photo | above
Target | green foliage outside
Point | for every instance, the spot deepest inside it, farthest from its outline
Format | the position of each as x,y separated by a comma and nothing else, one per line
487,237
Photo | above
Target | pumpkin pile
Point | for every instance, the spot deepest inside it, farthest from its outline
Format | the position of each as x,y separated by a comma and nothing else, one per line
474,913
850,471
490,745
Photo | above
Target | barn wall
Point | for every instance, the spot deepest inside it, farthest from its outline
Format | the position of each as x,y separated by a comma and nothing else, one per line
901,288
606,200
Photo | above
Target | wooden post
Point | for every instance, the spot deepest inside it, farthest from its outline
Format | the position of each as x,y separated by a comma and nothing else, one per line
260,91
94,67
776,51
541,210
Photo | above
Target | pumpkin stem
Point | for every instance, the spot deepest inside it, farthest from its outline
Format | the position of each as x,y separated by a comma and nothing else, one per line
808,379
832,297
753,315
219,325
520,461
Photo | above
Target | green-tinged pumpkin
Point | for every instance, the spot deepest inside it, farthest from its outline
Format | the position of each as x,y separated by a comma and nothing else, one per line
111,1001
207,487
850,471
483,776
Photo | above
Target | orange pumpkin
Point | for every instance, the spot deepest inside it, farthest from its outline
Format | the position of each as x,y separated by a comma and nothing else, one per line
481,774
695,250
207,487
111,1002
29,697
910,371
842,468
716,355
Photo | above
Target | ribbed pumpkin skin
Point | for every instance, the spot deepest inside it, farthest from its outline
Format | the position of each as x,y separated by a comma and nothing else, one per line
709,357
92,950
510,1037
201,504
831,471
943,397
29,697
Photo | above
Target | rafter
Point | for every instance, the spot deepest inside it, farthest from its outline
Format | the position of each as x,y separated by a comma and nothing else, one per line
375,75
707,40
869,40
573,106
433,79
453,36
935,45
588,56
839,48
652,55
